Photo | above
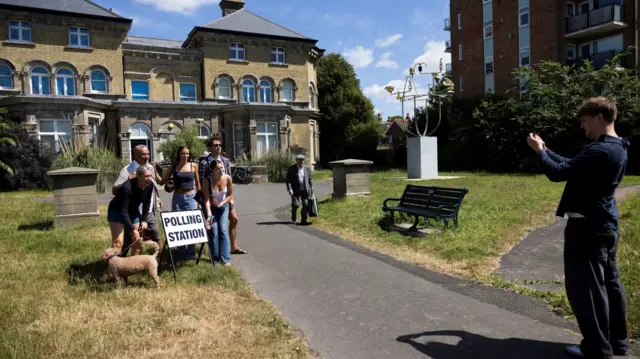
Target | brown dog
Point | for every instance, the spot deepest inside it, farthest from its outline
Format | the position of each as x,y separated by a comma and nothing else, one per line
120,268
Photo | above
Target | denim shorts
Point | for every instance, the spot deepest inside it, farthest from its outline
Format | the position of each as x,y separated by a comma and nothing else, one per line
115,216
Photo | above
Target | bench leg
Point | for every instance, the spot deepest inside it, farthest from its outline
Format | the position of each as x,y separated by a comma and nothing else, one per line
415,224
455,221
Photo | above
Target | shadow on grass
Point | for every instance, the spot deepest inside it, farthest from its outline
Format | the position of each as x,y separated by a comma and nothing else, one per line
38,226
402,225
478,346
93,275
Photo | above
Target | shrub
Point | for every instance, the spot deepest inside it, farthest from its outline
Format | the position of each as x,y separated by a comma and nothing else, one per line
30,159
362,139
101,159
276,161
187,137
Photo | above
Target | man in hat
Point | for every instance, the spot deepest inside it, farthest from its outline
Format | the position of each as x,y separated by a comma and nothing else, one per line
300,187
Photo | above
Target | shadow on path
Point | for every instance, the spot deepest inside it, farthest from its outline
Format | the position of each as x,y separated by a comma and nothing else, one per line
478,346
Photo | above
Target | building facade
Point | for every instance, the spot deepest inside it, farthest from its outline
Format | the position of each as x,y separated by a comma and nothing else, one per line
490,38
70,71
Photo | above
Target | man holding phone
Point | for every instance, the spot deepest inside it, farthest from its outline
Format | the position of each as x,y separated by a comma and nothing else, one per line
592,276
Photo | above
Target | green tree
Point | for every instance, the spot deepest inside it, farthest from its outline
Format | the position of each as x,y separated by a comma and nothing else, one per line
342,105
187,137
7,137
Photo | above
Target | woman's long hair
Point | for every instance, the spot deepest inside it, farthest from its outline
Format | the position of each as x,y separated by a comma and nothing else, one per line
178,154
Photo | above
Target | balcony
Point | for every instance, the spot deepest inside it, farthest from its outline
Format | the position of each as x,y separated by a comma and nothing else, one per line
447,24
596,22
597,60
448,68
447,46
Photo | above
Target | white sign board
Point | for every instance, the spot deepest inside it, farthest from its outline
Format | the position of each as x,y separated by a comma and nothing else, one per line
184,228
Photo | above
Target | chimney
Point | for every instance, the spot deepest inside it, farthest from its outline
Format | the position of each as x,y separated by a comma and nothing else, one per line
230,6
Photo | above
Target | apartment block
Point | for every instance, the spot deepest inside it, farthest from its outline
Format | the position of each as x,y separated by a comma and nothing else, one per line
70,71
491,38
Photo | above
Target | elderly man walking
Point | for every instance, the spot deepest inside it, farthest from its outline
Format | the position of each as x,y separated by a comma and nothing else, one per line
300,187
140,158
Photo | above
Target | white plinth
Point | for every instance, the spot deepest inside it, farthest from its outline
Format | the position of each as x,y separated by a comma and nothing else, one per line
422,157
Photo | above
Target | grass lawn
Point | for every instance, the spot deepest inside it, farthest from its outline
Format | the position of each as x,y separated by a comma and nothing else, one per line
496,214
629,258
56,300
321,175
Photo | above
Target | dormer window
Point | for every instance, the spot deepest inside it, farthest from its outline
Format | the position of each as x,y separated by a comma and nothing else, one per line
79,36
236,52
277,56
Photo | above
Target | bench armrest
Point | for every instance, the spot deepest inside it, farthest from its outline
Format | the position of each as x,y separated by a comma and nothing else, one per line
384,204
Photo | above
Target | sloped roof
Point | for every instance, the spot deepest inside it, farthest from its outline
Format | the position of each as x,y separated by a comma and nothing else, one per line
83,7
149,41
244,21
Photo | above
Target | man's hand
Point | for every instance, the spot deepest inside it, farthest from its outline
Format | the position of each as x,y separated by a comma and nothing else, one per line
535,142
143,226
135,236
160,203
291,192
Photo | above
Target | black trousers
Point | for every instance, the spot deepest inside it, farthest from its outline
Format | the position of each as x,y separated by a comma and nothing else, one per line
594,289
301,197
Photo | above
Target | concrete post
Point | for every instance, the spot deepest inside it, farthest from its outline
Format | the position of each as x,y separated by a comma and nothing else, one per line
74,195
350,178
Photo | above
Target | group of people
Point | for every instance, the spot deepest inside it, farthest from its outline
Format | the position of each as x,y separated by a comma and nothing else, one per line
206,185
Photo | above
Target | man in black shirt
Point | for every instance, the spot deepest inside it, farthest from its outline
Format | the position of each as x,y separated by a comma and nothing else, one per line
592,276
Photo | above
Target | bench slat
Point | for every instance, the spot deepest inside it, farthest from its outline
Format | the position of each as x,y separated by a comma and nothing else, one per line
429,198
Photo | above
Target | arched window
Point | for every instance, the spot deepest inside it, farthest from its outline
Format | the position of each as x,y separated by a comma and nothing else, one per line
65,83
6,77
203,132
140,135
248,91
224,88
98,81
312,96
40,81
287,91
265,91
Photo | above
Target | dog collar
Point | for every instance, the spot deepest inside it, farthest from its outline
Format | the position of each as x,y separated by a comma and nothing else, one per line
111,256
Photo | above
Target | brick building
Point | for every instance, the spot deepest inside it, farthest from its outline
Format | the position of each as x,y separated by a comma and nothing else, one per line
490,38
71,73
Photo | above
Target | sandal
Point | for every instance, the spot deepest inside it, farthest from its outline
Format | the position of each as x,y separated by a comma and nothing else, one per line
239,251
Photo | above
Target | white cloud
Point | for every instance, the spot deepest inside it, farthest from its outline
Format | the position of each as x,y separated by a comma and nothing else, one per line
377,93
187,7
359,57
386,61
388,41
143,22
433,52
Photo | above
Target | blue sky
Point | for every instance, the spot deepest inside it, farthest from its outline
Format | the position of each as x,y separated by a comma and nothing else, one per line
381,39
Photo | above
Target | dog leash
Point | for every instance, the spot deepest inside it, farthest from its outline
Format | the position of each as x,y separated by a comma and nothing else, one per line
125,249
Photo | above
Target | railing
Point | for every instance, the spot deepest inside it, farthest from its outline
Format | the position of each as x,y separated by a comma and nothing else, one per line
447,24
598,60
448,67
595,17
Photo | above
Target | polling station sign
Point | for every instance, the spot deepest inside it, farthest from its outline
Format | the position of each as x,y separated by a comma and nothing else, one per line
184,228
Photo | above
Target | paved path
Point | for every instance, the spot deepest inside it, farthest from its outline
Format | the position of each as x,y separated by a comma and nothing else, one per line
354,303
538,257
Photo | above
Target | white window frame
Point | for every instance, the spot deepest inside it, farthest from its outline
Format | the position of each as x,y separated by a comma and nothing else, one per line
486,1
94,124
41,79
522,11
187,98
488,24
56,133
148,138
312,96
10,77
489,60
267,135
525,50
573,7
579,7
262,87
251,87
459,21
460,52
461,83
106,82
575,54
284,91
235,139
278,52
80,35
237,49
592,48
228,87
200,132
22,25
148,91
65,77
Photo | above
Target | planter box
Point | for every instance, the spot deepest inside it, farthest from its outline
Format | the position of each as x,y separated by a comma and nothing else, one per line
74,195
350,178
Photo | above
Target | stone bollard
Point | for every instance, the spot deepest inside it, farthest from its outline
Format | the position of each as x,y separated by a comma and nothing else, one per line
350,178
74,195
259,174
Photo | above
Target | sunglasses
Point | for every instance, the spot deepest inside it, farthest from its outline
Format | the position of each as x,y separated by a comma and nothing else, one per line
216,145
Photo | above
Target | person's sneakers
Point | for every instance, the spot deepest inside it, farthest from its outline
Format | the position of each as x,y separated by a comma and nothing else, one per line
621,352
574,350
293,219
